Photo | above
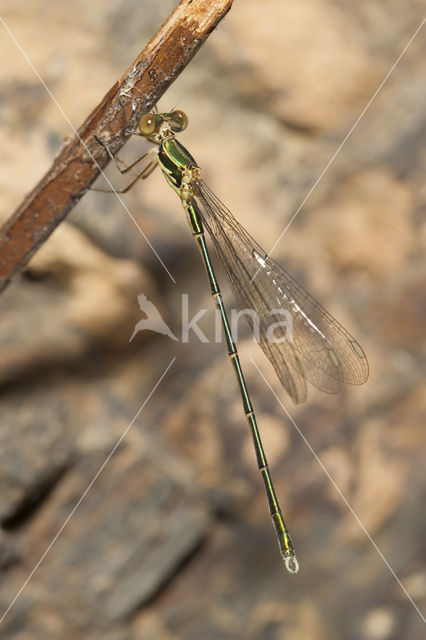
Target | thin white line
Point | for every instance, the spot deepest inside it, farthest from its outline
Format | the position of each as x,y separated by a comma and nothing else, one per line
84,145
344,140
342,496
68,518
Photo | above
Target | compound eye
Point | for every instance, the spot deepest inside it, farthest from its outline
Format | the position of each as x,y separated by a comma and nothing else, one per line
180,120
147,124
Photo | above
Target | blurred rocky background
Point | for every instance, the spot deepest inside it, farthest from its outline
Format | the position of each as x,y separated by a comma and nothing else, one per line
173,539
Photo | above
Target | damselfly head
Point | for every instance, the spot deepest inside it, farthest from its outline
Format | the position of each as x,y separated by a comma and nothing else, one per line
151,123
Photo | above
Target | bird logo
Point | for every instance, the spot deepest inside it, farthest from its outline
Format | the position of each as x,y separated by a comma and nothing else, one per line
153,320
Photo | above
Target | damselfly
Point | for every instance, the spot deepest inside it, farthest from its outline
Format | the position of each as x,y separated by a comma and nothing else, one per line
320,350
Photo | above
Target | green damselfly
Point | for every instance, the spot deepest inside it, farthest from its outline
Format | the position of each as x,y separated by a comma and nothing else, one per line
321,351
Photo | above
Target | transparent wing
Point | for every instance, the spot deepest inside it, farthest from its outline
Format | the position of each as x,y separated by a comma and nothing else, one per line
300,338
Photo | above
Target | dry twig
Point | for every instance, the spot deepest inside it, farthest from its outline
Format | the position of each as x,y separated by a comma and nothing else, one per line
79,162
